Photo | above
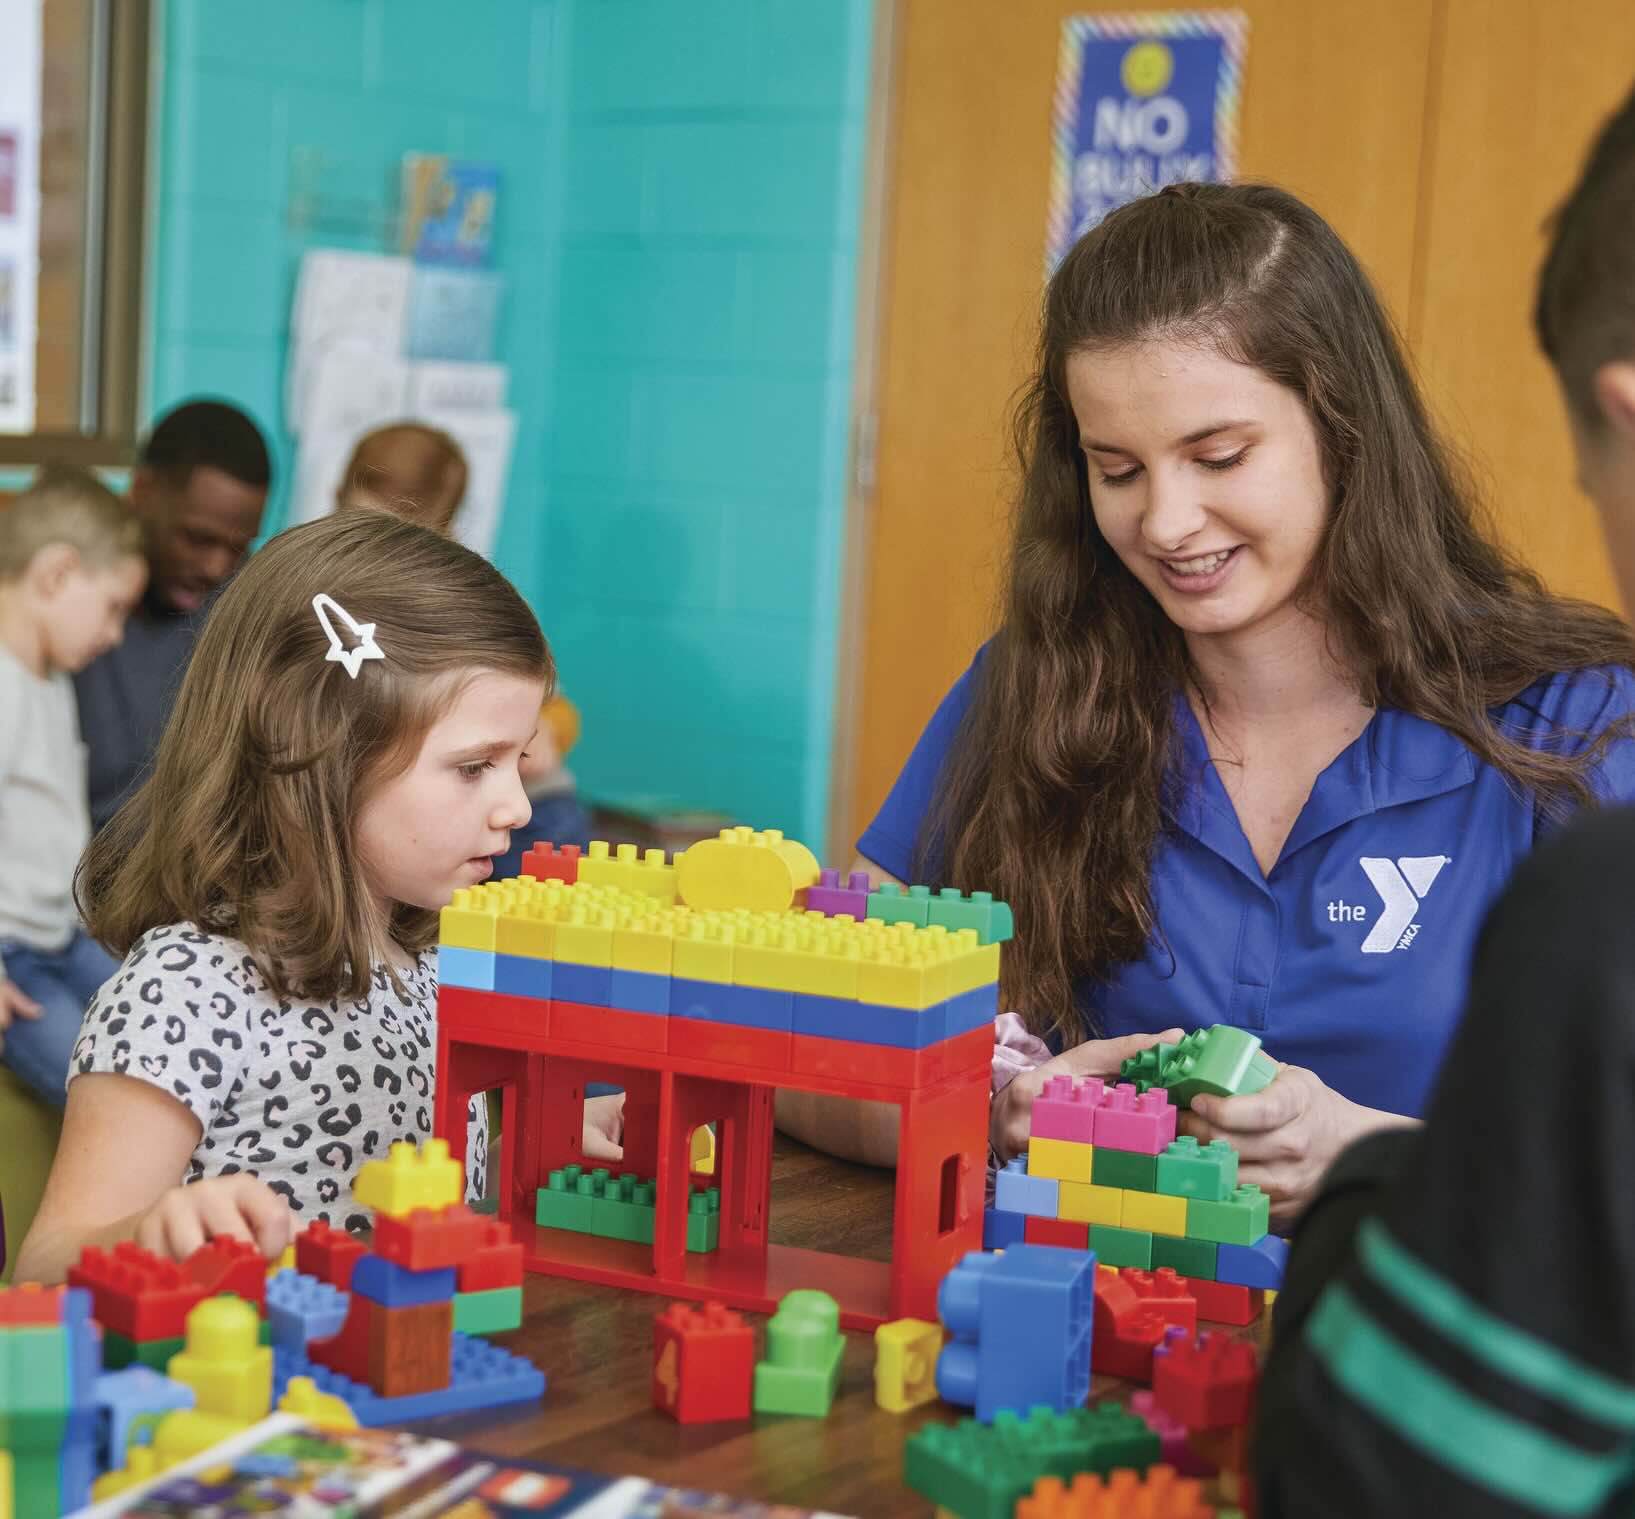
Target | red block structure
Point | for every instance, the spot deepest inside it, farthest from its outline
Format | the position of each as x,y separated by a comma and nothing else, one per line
328,1254
496,1262
1056,1231
703,1364
1167,1293
547,862
428,1240
1226,1303
1207,1382
1125,1330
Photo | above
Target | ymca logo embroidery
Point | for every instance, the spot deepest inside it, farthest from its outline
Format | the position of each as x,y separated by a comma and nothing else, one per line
1402,885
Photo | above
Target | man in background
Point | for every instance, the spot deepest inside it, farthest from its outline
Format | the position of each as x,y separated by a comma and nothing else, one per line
200,487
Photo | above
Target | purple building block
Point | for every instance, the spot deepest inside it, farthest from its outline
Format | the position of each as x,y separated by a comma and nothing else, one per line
1174,1448
834,900
1144,1124
1066,1108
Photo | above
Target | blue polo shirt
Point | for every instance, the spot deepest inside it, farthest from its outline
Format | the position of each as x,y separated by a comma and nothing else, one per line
1351,956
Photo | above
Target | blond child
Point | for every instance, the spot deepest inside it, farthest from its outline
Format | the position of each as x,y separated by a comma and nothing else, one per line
71,569
343,755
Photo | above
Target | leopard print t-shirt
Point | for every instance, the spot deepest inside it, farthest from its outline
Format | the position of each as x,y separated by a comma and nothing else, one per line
300,1094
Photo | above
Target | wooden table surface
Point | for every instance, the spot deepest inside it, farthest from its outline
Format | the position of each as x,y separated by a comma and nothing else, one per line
595,1345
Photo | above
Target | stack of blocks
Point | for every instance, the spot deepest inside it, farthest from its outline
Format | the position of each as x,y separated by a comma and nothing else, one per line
732,951
621,1207
50,1356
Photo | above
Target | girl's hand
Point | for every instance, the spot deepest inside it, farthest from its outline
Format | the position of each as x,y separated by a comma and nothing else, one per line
1012,1117
1286,1135
239,1207
604,1127
14,1003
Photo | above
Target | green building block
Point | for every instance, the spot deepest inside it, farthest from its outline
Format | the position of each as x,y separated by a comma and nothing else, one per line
490,1312
1186,1257
1121,1247
626,1210
980,1471
703,1219
891,904
33,1389
804,1347
953,910
1222,1060
565,1201
1146,1070
1188,1169
119,1352
1242,1220
1123,1168
36,1482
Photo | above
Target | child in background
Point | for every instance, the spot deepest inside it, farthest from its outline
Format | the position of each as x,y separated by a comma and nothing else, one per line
419,472
343,755
71,569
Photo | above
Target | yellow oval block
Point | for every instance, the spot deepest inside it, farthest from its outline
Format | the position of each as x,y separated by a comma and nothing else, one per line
745,869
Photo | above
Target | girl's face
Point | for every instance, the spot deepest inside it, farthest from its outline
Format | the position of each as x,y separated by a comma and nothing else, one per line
432,828
1205,478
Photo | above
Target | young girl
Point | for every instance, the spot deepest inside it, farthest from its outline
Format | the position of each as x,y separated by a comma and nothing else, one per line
344,753
1269,720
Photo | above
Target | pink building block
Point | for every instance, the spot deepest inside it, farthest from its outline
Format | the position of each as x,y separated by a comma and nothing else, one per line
1174,1448
1144,1124
1066,1108
830,897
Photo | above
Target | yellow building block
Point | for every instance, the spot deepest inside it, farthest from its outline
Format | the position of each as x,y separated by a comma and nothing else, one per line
901,973
408,1179
1155,1212
793,956
1084,1203
702,1156
1059,1159
705,951
468,921
630,870
231,1374
646,944
584,936
7,1505
905,1364
323,1409
742,868
972,964
529,929
141,1464
285,1262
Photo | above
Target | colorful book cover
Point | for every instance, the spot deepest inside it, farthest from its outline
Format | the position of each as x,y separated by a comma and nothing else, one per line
448,210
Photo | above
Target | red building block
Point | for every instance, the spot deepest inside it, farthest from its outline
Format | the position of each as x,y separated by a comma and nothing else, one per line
1207,1382
429,1240
1225,1303
1168,1293
1056,1231
136,1293
496,1262
545,862
29,1303
1066,1108
703,1363
1125,1331
329,1254
1144,1123
348,1351
229,1265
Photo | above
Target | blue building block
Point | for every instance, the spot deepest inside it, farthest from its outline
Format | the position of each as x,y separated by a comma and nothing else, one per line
591,985
77,1463
1020,1330
1017,1192
742,1006
1258,1265
973,1009
301,1309
473,968
868,1023
394,1286
481,1376
1001,1230
640,991
522,976
136,1394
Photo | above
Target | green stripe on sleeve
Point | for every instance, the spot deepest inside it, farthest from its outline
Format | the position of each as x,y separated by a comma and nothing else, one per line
1537,1365
1487,1448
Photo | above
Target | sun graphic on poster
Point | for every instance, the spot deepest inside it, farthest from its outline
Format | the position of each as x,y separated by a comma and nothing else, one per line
1147,68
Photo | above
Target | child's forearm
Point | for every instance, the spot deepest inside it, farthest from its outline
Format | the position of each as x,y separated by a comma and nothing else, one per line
850,1128
46,1254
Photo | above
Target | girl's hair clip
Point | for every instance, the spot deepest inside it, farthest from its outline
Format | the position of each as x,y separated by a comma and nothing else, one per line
364,632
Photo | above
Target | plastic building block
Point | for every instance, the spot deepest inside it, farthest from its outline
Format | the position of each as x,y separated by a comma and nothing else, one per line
1127,1329
987,1365
1140,1122
135,1393
480,1376
703,1363
320,1409
395,1287
474,968
229,1265
1155,1213
408,1179
1242,1220
566,1199
547,862
1174,1438
496,1262
1002,1229
1121,1247
741,868
980,1471
515,975
905,1364
832,899
1087,1203
804,1347
1223,1061
1226,1303
625,1209
224,1363
466,923
328,1254
1059,1159
491,1312
703,1220
1188,1169
643,873
410,1351
1159,1493
1127,1169
427,1241
1207,1382
1066,1108
135,1292
1064,1233
1166,1293
118,1351
302,1308
30,1303
1191,1258
701,1150
889,903
1258,1265
953,910
1017,1192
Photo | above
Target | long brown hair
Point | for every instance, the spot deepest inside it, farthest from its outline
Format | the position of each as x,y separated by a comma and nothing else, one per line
1062,776
247,825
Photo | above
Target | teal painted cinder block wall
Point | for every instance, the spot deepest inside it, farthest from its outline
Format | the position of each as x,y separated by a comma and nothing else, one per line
678,231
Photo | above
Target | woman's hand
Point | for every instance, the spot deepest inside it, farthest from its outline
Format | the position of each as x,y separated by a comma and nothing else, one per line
603,1138
1287,1134
1011,1120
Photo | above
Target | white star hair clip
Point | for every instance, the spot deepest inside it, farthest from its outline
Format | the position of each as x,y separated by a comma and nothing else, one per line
363,632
